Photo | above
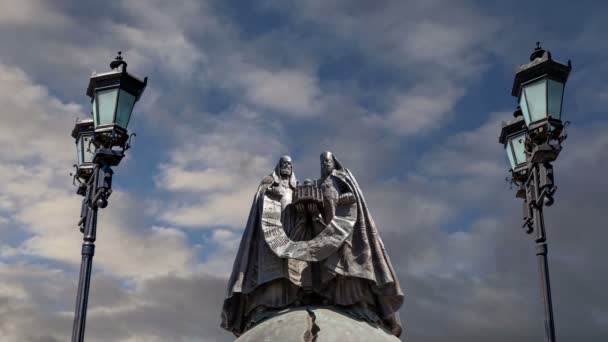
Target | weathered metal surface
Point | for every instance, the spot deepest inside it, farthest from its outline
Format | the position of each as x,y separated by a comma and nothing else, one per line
315,324
319,248
534,178
321,252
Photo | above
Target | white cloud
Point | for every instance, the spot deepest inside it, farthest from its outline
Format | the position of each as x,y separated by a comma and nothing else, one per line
214,175
34,123
37,150
147,47
227,209
285,91
27,13
476,282
423,108
474,153
38,303
124,247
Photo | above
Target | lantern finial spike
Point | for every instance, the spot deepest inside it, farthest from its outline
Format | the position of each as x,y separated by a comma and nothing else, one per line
517,113
118,61
538,52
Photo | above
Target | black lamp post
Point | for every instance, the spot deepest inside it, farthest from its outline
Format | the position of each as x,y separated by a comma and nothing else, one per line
532,141
100,144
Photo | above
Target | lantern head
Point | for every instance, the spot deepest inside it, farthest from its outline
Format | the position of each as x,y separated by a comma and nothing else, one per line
539,86
83,133
513,137
113,95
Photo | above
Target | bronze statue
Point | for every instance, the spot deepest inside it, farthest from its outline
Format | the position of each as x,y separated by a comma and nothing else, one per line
313,243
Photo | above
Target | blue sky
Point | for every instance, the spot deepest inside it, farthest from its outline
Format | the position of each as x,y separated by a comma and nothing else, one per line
408,95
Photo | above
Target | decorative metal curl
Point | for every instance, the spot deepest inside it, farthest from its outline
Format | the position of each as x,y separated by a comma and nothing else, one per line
564,135
548,199
74,178
511,181
89,145
118,62
128,143
529,226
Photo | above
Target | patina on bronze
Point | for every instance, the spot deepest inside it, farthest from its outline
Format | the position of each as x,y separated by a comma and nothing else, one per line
311,244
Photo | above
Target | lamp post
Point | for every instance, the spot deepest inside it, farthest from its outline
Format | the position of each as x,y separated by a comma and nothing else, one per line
532,142
100,144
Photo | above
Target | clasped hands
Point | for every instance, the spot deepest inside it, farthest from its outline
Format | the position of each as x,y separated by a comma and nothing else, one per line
309,208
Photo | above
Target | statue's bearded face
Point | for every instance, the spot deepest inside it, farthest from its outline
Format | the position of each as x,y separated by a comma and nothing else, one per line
285,168
327,163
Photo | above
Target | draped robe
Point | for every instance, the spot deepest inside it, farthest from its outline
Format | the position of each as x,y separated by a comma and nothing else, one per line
354,274
261,280
360,278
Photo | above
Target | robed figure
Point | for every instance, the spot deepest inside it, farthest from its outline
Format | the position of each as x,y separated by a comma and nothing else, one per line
311,244
261,280
359,278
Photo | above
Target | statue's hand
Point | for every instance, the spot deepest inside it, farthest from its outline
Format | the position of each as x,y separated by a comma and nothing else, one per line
300,208
347,198
273,191
313,209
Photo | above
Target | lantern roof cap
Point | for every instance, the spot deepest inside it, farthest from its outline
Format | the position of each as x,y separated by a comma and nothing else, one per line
115,73
541,64
82,126
514,126
539,52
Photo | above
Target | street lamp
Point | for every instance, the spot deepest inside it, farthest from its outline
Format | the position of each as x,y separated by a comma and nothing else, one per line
100,144
532,141
513,137
113,95
83,133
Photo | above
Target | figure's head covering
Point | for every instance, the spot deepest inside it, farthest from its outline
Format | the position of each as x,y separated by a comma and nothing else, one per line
276,175
328,154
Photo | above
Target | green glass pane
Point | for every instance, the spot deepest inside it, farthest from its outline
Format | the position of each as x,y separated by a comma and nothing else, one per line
555,90
536,96
95,118
89,150
519,151
510,155
79,151
107,104
125,107
523,104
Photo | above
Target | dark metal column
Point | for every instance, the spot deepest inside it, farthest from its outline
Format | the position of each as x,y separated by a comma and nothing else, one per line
532,143
540,191
545,285
88,250
94,167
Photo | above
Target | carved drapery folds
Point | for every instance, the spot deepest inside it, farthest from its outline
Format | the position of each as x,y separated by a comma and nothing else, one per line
311,247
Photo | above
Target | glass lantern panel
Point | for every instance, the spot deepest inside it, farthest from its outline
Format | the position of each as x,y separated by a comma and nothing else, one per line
107,104
536,96
88,150
517,152
510,155
523,104
125,107
95,118
555,91
79,151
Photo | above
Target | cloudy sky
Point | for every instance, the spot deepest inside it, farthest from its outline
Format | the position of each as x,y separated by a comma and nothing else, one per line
410,97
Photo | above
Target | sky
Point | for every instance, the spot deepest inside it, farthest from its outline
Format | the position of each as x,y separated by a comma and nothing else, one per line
408,95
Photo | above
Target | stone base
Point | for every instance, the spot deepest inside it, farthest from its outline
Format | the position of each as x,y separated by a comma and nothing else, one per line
308,324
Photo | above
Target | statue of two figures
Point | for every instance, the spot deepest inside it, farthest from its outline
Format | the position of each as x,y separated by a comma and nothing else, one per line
312,243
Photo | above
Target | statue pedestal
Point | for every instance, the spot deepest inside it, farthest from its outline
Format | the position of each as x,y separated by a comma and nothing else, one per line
311,323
